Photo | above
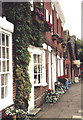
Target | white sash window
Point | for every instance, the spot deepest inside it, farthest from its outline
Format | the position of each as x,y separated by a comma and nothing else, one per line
4,64
5,69
37,68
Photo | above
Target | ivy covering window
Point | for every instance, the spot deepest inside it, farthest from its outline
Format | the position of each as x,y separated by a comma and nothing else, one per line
37,69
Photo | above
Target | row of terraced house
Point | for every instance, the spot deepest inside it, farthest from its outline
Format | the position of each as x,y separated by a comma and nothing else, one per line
57,57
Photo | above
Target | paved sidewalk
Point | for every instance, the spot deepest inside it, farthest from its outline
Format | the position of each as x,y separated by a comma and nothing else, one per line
68,105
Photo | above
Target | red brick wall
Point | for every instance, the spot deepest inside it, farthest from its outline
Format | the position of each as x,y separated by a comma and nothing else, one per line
47,5
39,91
55,21
48,35
14,90
67,62
59,27
14,84
39,95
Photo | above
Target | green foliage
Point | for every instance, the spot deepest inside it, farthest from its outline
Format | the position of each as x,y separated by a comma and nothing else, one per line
80,49
37,34
26,32
17,14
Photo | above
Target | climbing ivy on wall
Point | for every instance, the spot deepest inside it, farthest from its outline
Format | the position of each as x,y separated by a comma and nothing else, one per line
25,33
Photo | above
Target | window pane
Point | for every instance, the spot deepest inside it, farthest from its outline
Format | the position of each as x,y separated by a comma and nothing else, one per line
6,91
2,92
7,40
4,66
3,52
35,68
7,53
0,51
35,58
2,80
39,68
6,79
38,78
3,39
35,78
39,58
7,65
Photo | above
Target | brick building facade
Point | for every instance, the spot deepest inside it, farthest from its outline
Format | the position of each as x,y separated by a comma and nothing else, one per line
52,53
72,63
51,60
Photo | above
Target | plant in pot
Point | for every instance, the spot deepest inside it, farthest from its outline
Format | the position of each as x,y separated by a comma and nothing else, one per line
55,37
38,15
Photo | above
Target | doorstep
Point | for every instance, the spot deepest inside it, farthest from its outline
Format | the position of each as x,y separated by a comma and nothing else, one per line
77,117
34,111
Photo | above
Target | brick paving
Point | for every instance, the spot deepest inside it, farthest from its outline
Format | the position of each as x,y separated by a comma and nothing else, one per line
67,106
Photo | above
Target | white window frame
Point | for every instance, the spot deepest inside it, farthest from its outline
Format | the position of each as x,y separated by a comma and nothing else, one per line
62,66
8,100
47,15
31,2
58,59
39,51
37,73
51,19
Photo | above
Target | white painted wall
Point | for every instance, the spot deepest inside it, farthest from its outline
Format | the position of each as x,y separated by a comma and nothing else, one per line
62,66
54,79
31,102
58,61
49,69
43,68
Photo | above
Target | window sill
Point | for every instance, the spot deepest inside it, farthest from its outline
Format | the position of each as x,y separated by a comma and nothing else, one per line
38,85
45,84
5,103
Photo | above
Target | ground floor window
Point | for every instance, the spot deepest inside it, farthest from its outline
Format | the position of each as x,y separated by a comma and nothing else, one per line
5,68
37,68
